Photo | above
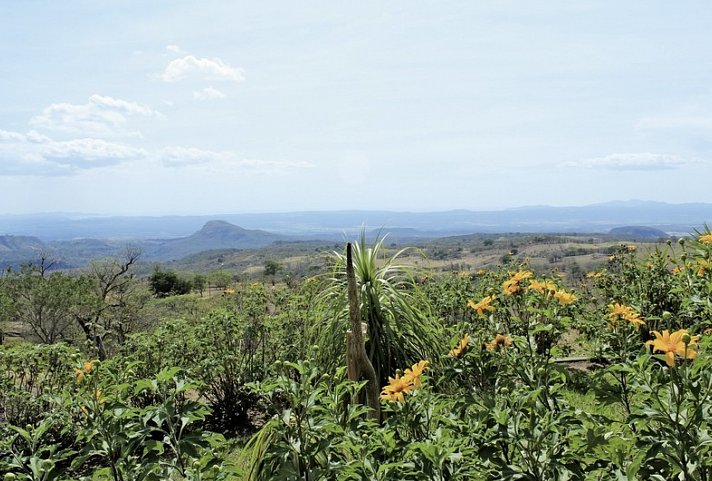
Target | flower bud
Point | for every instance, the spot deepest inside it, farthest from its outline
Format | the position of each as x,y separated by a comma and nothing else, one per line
10,477
681,241
667,315
540,372
686,339
668,242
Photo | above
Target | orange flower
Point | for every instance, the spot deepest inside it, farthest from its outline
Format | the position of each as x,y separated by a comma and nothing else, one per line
461,347
79,375
541,286
397,387
564,298
706,238
500,340
416,372
620,311
511,286
482,306
674,344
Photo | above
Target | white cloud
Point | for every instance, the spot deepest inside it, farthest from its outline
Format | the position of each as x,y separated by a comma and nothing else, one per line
222,160
36,154
175,49
101,116
205,68
208,93
632,161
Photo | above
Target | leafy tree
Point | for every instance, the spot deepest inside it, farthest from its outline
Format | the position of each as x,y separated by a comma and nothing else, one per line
220,279
45,304
167,283
199,282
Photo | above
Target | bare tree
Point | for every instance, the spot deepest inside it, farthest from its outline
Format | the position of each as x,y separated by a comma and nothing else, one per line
113,289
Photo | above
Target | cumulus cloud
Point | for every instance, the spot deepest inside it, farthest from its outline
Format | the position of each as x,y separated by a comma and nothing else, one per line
204,68
208,93
632,161
36,154
101,116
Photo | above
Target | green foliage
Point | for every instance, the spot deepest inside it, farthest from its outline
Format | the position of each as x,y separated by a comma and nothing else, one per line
399,332
167,283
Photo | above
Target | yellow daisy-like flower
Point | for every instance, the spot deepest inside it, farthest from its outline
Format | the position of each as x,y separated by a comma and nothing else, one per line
461,346
482,306
512,286
631,247
705,238
564,298
397,388
620,311
611,258
703,265
79,375
88,366
500,340
674,344
594,274
416,372
541,286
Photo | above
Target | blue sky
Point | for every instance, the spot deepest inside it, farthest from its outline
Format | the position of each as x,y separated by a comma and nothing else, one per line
176,107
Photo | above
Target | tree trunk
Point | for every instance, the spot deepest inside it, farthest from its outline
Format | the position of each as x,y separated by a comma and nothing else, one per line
358,365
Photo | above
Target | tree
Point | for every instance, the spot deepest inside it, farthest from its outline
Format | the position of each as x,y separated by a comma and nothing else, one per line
113,301
199,283
167,283
45,304
398,331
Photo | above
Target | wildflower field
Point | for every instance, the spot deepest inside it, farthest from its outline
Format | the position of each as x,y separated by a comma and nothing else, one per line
503,373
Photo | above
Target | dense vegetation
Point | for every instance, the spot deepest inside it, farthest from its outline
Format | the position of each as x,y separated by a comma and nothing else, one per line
502,373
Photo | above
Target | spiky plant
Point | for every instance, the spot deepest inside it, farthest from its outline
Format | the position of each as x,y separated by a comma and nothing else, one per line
399,332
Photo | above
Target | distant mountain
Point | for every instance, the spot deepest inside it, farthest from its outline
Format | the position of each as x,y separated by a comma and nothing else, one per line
637,233
215,234
336,225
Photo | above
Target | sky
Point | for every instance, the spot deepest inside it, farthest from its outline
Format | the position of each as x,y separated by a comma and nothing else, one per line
184,107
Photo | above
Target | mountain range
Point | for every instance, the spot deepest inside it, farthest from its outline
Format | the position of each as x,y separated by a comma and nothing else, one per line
76,238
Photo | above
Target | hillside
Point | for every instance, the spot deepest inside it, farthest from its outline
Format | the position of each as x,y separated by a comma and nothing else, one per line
214,235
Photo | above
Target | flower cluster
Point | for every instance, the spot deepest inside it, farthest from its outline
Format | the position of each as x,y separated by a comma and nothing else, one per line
620,311
679,343
511,286
461,346
705,238
542,287
482,306
564,298
80,373
400,385
500,341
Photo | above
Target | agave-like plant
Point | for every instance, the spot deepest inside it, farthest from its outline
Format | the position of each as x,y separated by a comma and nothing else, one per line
399,332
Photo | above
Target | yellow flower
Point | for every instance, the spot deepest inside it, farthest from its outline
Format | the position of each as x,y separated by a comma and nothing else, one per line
564,298
79,374
594,274
703,265
88,366
631,247
511,286
461,346
482,306
620,311
672,344
500,340
611,258
416,372
706,238
541,286
397,387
